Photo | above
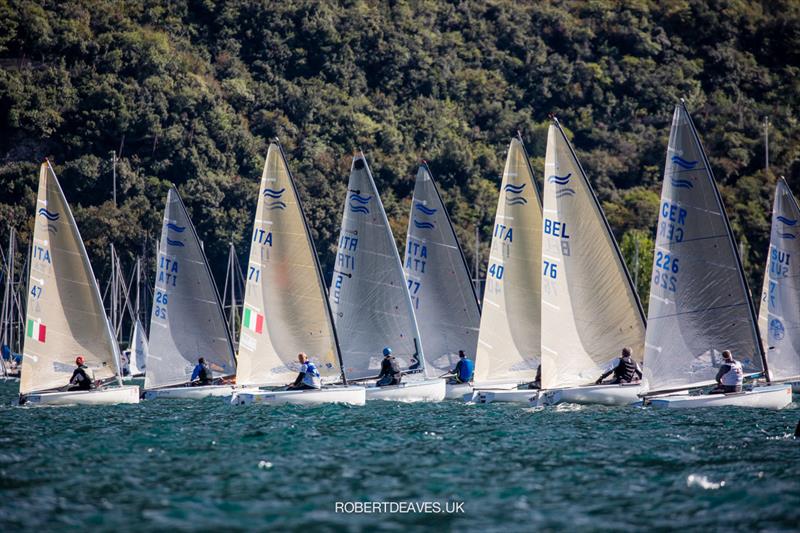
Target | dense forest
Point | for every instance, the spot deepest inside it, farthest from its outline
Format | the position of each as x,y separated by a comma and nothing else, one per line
189,92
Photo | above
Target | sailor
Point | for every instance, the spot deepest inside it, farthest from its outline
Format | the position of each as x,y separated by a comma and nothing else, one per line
730,375
82,377
464,369
624,368
390,370
202,373
308,378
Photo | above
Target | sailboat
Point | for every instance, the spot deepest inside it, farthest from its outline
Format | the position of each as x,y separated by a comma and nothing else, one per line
187,321
508,352
439,282
285,304
65,316
137,353
370,301
590,309
700,304
779,312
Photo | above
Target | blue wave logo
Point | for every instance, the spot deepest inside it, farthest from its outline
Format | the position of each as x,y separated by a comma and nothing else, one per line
516,200
175,227
684,164
565,192
776,329
274,193
516,189
360,199
277,204
359,209
426,210
786,235
360,205
52,217
423,225
559,180
170,242
682,184
787,221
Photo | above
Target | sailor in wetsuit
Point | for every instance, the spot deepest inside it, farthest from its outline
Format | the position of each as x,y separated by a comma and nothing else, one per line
730,375
464,369
390,370
626,370
82,377
202,373
308,378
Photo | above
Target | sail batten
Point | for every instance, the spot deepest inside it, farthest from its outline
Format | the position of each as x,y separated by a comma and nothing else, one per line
187,321
699,301
509,340
286,308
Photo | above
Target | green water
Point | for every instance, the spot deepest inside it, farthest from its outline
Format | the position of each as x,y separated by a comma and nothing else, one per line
183,465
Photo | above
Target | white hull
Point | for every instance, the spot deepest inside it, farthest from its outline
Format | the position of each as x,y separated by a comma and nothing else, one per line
189,393
457,391
107,396
502,395
626,394
429,390
348,395
767,397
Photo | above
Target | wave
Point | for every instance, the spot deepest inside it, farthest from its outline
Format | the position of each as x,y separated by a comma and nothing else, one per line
682,184
359,209
175,227
514,188
423,225
681,162
274,193
516,200
275,205
565,192
787,221
559,180
51,216
426,210
786,235
170,242
360,199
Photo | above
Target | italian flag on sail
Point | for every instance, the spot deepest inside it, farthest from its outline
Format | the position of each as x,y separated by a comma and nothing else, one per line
253,320
36,330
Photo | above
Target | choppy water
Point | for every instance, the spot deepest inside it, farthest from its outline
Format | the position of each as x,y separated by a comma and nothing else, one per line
204,465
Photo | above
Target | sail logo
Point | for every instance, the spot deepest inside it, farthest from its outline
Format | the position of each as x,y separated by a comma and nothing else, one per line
514,194
776,329
423,225
425,210
681,184
562,181
275,195
36,330
787,221
683,163
358,203
177,229
49,215
171,242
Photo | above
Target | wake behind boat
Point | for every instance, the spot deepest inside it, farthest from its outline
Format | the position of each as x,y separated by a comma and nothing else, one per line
286,309
187,322
700,304
370,301
65,318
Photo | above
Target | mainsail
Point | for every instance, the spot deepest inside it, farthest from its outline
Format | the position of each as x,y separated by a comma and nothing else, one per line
368,295
699,301
285,304
65,315
137,359
510,332
187,320
590,309
779,312
438,279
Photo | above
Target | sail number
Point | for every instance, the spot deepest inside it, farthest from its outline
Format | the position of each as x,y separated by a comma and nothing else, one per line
413,290
496,271
36,291
160,309
550,270
254,274
665,266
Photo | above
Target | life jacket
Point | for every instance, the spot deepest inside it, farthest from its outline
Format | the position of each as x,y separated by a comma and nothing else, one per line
465,369
205,374
311,375
625,370
734,376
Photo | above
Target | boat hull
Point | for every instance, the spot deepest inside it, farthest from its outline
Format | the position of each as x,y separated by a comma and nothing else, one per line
768,397
619,394
429,390
347,395
107,396
189,393
457,391
502,395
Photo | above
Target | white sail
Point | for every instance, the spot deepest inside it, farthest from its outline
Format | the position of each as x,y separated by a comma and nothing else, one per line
368,295
779,312
590,309
137,358
285,303
510,332
438,279
699,301
187,320
65,315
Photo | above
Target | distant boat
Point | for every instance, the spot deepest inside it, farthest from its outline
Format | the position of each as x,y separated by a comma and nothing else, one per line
700,304
369,297
439,282
779,312
137,353
509,340
187,321
285,304
65,315
590,309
